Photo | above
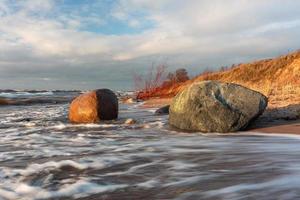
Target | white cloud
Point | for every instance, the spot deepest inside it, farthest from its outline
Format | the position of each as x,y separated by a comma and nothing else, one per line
36,5
203,27
192,32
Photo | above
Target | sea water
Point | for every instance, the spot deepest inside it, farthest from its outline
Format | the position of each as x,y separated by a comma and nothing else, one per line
43,156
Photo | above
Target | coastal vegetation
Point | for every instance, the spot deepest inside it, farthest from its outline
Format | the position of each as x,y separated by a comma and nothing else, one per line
158,79
277,78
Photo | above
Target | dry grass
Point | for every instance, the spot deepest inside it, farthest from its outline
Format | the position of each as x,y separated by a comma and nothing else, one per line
277,78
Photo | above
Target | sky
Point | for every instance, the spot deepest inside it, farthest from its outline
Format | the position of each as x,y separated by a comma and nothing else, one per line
88,44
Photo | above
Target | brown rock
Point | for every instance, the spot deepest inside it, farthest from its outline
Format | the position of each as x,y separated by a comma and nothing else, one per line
4,102
94,106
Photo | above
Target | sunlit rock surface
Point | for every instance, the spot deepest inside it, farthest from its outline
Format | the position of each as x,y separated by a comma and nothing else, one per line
212,106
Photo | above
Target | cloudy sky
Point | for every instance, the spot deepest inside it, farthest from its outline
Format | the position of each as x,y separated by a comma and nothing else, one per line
86,44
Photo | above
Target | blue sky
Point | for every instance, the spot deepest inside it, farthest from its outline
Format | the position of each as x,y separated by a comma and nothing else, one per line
86,44
104,17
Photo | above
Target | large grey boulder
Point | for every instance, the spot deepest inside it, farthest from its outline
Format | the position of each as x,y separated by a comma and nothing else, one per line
212,106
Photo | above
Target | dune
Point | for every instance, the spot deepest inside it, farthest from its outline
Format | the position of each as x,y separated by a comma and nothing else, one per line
277,78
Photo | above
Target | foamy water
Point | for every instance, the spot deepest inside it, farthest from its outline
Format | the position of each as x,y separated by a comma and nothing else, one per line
24,94
42,156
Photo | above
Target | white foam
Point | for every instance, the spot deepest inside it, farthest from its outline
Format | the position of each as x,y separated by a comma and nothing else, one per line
7,194
35,168
62,126
190,180
30,124
156,124
81,188
288,135
138,105
180,165
84,164
24,94
281,183
149,184
151,110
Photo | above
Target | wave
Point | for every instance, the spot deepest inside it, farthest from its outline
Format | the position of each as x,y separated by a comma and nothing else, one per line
17,183
62,126
31,101
80,188
34,97
24,94
35,168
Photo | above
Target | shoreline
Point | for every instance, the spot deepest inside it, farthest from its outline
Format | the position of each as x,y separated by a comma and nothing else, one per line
275,120
279,127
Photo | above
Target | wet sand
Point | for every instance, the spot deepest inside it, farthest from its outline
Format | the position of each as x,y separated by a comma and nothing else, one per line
156,102
288,127
274,120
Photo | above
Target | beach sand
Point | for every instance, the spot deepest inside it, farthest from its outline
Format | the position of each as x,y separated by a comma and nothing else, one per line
280,126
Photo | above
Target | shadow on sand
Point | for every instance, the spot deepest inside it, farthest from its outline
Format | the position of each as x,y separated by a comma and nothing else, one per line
278,120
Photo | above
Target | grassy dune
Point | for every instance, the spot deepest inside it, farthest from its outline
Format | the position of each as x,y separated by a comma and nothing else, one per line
277,78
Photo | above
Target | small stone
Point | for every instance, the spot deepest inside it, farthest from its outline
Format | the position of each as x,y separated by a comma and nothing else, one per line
163,110
128,101
130,121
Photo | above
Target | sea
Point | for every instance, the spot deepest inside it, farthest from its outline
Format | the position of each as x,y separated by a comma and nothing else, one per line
44,156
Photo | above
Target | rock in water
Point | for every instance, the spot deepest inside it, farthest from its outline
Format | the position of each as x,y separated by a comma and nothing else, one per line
163,110
4,102
94,106
128,100
130,121
212,106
